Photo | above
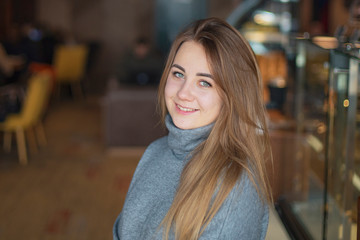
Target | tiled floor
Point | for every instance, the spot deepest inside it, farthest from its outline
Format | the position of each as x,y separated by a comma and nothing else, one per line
74,188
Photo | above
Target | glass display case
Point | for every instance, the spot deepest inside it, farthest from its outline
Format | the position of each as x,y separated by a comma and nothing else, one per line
267,26
327,112
318,163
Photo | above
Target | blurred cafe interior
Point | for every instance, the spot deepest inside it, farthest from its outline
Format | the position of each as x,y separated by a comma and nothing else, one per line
78,89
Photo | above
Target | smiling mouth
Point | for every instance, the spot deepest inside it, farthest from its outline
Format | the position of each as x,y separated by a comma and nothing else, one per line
186,109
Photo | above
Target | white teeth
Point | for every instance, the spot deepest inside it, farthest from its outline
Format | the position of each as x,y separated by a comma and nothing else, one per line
185,109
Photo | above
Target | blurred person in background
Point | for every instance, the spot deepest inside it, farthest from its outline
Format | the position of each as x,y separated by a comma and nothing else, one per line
141,65
12,56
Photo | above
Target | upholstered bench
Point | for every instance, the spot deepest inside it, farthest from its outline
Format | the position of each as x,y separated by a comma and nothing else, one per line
130,116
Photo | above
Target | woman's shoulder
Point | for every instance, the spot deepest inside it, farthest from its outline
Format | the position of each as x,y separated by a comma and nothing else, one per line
158,144
247,189
155,148
244,214
150,158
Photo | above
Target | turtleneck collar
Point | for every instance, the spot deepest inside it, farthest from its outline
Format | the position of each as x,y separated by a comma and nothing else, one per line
184,141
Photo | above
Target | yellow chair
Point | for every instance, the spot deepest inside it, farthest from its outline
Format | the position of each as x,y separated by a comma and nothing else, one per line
69,66
29,118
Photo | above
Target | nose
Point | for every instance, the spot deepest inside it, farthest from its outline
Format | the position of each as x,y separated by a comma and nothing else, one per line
185,91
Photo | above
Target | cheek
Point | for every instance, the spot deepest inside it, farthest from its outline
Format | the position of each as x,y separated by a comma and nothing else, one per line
213,107
170,89
168,92
210,102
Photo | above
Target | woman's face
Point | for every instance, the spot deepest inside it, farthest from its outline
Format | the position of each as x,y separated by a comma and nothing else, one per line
191,94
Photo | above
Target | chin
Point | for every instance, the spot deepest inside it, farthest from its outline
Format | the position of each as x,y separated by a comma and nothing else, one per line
183,125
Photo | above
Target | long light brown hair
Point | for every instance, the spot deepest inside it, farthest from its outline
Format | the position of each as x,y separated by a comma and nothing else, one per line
238,142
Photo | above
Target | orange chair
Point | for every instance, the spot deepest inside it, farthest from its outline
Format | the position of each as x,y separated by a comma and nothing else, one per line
69,65
29,118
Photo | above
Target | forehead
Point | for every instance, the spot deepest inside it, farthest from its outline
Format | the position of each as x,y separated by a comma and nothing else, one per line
192,55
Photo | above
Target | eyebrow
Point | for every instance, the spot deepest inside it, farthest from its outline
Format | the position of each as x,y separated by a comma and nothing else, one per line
198,74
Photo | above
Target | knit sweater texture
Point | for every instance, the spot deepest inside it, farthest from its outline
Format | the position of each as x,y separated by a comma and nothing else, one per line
242,216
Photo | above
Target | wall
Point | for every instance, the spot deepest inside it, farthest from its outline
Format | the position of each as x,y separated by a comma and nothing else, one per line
113,23
338,14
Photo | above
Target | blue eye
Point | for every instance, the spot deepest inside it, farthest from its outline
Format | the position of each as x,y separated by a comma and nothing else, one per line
205,84
178,75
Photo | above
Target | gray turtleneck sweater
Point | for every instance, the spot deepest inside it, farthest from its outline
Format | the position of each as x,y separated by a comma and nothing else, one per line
242,215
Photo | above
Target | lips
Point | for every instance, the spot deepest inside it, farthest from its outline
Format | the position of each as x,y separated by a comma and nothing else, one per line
185,109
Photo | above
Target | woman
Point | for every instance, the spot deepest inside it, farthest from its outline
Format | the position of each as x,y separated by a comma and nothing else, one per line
207,178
